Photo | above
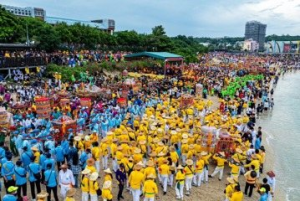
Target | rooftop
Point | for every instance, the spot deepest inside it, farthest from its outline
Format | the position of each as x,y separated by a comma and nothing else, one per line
156,55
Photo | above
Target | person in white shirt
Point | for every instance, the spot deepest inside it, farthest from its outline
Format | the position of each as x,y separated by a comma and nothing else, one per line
272,183
65,180
250,152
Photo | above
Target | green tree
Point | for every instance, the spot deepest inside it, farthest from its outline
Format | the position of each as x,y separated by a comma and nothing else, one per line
43,34
10,28
158,31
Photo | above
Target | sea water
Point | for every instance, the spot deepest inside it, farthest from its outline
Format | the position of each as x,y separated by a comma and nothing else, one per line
281,128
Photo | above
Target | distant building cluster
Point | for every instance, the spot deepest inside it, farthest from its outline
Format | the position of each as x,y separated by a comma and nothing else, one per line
107,25
255,32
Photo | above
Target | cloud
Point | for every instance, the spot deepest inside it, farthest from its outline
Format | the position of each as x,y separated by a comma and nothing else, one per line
270,9
192,17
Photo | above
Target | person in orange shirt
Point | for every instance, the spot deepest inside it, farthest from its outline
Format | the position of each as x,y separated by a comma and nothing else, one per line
94,137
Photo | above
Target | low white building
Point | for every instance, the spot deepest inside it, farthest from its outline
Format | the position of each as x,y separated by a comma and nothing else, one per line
251,45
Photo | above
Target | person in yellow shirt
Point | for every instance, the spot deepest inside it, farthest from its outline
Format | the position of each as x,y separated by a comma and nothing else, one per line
94,137
70,194
36,155
262,153
164,171
94,186
229,188
199,171
237,195
87,142
220,158
90,164
85,184
136,180
240,156
106,191
173,155
137,156
205,157
184,149
108,175
150,188
179,178
255,162
104,151
96,155
235,167
129,168
149,170
189,175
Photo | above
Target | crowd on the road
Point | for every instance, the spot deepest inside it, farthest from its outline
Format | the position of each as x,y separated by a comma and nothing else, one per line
154,143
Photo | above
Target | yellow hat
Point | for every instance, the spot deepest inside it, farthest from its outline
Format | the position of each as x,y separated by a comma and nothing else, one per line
189,162
161,154
150,163
179,167
137,151
12,189
71,192
94,176
151,176
86,171
34,149
77,138
238,150
173,132
41,195
230,180
185,136
108,171
222,154
160,143
109,133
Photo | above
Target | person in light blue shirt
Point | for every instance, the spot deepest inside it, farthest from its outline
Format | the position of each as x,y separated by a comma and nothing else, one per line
66,148
51,182
50,144
48,160
21,180
59,155
257,142
83,158
11,194
104,127
70,133
42,161
263,194
26,157
19,142
34,170
7,171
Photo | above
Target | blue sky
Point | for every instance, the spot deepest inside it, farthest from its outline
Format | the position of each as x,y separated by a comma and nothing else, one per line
211,18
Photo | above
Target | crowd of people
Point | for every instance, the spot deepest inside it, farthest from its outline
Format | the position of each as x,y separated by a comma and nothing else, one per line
154,144
66,58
